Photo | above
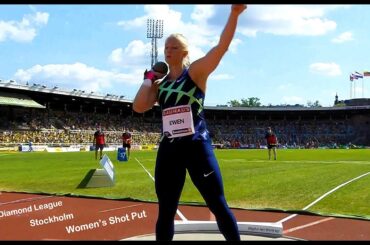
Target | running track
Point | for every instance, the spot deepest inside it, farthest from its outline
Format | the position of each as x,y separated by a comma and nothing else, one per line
25,216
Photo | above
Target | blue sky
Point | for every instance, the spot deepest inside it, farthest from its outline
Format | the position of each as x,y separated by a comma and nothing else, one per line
281,54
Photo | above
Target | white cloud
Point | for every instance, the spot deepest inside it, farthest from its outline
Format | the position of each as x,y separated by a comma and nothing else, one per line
201,36
173,22
116,55
78,75
344,37
134,56
234,45
24,30
39,18
220,77
207,22
169,17
304,20
272,19
327,69
202,13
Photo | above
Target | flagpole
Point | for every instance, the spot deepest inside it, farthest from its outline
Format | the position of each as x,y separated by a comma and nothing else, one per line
354,88
365,74
350,85
359,75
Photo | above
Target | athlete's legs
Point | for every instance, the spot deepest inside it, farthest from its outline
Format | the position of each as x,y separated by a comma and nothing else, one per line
169,181
269,150
274,149
205,174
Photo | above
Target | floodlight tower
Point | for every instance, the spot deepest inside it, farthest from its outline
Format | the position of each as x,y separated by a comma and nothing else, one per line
154,31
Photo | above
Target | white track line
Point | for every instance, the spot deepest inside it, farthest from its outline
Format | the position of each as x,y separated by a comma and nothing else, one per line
112,209
29,199
177,211
145,169
318,199
307,225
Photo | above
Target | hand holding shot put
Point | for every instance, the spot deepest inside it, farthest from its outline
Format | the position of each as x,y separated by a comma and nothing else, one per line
158,71
152,79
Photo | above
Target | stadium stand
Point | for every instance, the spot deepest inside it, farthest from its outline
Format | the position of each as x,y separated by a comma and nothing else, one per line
55,117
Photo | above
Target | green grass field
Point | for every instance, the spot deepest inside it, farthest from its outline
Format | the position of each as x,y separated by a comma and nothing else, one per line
294,181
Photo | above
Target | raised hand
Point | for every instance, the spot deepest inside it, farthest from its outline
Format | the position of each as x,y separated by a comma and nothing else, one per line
238,8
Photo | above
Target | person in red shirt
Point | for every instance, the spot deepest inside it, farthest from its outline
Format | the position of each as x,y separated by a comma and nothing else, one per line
99,142
126,142
272,142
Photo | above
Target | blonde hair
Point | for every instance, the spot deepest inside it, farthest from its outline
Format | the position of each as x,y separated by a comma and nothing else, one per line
184,45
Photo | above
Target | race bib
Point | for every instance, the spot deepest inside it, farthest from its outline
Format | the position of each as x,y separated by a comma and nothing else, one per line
178,121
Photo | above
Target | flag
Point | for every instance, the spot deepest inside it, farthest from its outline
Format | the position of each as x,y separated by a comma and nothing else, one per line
352,76
358,75
366,73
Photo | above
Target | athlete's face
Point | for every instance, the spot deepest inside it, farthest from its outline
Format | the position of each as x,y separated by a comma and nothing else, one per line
174,53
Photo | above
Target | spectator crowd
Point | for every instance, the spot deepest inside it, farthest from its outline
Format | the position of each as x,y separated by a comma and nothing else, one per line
57,128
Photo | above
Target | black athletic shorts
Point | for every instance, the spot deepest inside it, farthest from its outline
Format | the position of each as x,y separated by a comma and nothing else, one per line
99,146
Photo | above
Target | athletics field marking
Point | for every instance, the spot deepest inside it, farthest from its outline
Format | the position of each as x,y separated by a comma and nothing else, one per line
307,225
323,196
112,209
30,199
293,161
178,211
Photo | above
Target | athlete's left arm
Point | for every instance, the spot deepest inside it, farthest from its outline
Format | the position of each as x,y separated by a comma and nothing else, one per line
200,69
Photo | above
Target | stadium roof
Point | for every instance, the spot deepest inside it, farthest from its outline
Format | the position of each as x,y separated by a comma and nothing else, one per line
286,108
38,88
18,100
57,91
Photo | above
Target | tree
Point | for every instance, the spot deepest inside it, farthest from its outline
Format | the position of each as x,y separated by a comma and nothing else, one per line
234,103
340,104
250,102
315,104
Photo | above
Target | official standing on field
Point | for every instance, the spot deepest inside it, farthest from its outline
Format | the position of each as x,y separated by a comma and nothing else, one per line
99,142
271,141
